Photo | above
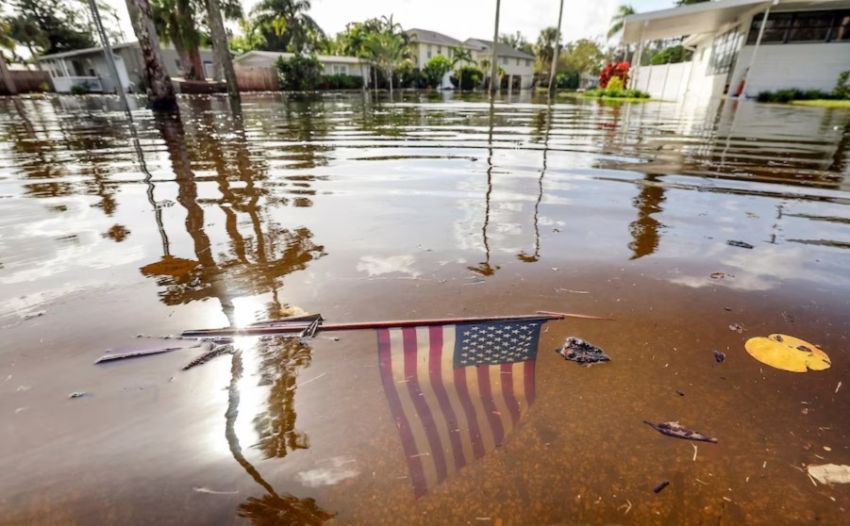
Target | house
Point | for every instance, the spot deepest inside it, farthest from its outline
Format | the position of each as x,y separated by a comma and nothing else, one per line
427,44
744,47
514,63
332,64
87,68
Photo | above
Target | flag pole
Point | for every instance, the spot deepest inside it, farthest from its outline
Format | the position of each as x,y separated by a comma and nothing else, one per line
297,326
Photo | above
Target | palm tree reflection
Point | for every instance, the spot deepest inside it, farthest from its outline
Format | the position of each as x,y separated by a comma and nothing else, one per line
273,508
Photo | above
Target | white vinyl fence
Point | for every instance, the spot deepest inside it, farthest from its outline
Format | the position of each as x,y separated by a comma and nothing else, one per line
665,81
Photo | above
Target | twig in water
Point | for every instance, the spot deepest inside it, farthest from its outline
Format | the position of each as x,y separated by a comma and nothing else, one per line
837,387
215,352
695,452
627,505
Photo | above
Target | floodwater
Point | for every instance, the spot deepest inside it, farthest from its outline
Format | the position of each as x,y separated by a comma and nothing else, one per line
425,207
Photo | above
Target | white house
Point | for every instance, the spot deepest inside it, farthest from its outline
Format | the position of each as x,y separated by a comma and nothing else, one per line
332,64
514,62
88,69
803,44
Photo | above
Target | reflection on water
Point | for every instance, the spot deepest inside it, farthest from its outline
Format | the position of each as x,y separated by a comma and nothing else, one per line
423,206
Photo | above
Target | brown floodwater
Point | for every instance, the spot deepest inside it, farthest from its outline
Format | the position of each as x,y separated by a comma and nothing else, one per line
424,207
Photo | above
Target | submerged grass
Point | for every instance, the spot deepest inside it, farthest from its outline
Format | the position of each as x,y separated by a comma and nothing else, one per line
823,103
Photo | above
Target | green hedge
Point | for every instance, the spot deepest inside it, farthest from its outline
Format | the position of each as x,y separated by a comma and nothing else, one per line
340,81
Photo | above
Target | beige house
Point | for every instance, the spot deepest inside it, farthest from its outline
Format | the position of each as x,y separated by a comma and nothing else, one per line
428,44
332,64
514,62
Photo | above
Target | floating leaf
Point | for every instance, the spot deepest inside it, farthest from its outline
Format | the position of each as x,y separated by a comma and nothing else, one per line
787,353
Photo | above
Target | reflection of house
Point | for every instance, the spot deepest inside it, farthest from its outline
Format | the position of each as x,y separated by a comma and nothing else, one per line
803,45
332,64
88,69
514,62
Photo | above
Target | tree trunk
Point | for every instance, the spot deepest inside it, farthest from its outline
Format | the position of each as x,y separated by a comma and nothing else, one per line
197,64
390,75
160,90
8,83
375,75
221,49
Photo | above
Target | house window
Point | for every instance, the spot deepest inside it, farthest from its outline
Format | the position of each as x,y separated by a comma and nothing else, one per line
504,61
339,69
517,62
429,53
803,26
439,50
841,29
724,49
528,63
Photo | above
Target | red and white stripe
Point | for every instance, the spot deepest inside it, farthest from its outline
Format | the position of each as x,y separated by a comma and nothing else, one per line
447,417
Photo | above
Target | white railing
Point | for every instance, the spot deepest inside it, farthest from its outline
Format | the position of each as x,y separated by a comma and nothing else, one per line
65,84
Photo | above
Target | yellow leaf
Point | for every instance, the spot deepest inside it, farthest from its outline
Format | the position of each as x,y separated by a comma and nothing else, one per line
787,353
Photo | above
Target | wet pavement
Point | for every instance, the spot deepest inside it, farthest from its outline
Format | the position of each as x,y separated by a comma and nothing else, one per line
423,207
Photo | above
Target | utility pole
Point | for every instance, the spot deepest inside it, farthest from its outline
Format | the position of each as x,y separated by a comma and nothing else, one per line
556,49
159,87
494,67
222,50
107,53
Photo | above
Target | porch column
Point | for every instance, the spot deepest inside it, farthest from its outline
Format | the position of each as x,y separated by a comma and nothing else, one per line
747,71
510,85
638,57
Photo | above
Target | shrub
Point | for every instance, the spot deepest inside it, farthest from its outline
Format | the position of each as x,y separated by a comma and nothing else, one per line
299,73
467,77
435,69
614,69
785,96
410,77
842,86
340,81
567,80
79,89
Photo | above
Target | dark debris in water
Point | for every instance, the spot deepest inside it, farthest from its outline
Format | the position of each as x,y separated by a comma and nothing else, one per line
739,244
582,352
661,486
719,356
677,430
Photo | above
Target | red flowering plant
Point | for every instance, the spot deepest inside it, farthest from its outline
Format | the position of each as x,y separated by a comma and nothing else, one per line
614,69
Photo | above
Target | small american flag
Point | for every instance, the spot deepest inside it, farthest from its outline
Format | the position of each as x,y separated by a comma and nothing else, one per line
456,391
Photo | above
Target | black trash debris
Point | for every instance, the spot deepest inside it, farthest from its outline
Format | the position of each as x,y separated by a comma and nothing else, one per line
739,244
676,430
719,357
582,352
660,487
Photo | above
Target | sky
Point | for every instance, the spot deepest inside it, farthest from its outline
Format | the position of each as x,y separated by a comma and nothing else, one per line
463,19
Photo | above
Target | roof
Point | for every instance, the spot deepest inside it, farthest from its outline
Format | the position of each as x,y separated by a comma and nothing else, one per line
502,50
274,55
426,35
84,51
704,17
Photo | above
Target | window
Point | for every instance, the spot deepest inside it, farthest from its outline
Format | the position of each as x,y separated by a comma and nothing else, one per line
504,61
439,50
528,63
724,49
339,69
841,28
429,53
517,62
810,27
803,26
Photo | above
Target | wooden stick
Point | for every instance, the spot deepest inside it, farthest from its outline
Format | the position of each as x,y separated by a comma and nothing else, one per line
299,326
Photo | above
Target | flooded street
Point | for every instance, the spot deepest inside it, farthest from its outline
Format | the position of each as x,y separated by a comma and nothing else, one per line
425,207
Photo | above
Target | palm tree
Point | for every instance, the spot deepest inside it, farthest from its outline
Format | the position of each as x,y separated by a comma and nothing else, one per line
619,19
160,90
461,55
286,26
222,51
545,48
386,51
175,23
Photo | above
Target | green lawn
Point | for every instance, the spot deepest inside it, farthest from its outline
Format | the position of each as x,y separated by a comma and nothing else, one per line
823,103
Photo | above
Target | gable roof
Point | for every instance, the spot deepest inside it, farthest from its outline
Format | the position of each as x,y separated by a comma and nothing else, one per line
426,35
502,50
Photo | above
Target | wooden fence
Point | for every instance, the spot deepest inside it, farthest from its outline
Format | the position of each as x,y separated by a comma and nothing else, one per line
28,81
257,79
